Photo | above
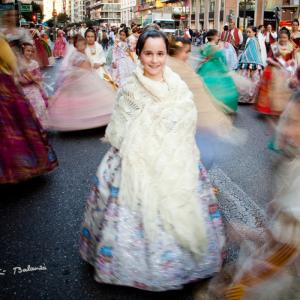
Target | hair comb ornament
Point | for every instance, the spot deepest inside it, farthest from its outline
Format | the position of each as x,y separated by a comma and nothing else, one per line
179,44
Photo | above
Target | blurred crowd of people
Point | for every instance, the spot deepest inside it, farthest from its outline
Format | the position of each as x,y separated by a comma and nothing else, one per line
152,220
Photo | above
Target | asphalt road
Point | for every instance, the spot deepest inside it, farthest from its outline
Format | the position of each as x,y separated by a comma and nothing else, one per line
40,219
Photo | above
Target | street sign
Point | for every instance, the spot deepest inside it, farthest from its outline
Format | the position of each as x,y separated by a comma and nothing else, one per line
6,6
26,7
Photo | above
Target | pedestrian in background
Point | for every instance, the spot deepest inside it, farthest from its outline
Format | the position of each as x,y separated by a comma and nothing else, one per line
271,37
262,43
236,36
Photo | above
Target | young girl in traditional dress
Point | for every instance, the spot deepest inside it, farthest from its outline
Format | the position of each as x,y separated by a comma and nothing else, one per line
60,45
274,91
123,63
32,82
250,65
152,221
24,148
215,74
83,100
95,53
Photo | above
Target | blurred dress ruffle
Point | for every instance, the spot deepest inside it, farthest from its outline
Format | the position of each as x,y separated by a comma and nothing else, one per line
210,111
230,55
216,76
123,63
24,148
82,100
113,239
274,92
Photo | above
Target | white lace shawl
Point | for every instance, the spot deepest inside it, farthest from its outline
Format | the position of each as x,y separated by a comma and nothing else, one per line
153,126
98,57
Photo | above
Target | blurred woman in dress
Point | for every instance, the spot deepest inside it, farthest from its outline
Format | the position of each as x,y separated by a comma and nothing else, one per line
60,45
152,221
262,43
274,92
215,74
133,38
229,51
15,36
82,99
24,148
250,65
123,63
41,54
272,270
32,82
95,52
295,34
210,111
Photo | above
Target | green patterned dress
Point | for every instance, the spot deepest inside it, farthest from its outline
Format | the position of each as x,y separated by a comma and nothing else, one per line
215,74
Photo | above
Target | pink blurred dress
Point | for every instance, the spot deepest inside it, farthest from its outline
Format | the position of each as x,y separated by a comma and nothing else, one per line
124,63
60,46
34,90
82,100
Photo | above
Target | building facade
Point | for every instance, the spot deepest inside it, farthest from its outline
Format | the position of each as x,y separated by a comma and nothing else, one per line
216,13
79,11
105,12
127,11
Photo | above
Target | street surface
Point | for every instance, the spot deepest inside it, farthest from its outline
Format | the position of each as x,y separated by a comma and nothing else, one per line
41,218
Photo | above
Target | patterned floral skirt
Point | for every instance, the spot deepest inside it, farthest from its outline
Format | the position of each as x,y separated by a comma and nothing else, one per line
253,73
24,148
112,238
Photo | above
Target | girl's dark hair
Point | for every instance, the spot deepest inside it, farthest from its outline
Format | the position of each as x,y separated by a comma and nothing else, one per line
253,28
151,33
176,44
78,38
26,44
90,30
296,21
260,27
211,34
284,30
135,29
125,30
226,28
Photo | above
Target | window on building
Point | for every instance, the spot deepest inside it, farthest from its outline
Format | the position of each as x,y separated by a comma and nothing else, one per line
271,4
212,4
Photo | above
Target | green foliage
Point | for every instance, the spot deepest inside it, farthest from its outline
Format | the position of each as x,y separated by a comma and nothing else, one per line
50,22
62,18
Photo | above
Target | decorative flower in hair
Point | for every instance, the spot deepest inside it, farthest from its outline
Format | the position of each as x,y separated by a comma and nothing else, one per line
179,44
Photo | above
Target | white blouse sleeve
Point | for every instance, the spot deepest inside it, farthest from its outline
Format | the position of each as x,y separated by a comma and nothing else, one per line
101,55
